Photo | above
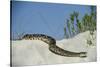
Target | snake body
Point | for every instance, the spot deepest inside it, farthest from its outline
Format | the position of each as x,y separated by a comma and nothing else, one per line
52,45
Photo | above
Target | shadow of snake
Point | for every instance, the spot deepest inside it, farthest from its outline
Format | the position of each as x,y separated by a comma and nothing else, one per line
52,45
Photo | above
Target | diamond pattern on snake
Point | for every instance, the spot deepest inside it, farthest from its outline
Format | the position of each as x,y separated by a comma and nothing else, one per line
53,47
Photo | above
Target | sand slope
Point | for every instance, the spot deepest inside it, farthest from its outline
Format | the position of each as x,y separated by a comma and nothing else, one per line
35,52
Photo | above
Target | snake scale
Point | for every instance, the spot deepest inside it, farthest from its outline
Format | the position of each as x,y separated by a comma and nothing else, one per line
52,45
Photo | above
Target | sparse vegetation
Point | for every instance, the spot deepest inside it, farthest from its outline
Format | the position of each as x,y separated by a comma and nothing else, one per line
87,23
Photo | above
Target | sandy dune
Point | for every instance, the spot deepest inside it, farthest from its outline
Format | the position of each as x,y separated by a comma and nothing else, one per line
35,52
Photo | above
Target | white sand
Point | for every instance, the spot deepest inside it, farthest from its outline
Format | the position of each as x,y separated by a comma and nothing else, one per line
35,52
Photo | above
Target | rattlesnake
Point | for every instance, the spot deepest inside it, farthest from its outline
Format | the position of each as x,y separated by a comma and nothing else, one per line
52,45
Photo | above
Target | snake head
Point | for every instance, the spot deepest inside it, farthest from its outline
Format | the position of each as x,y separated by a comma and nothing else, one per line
83,54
